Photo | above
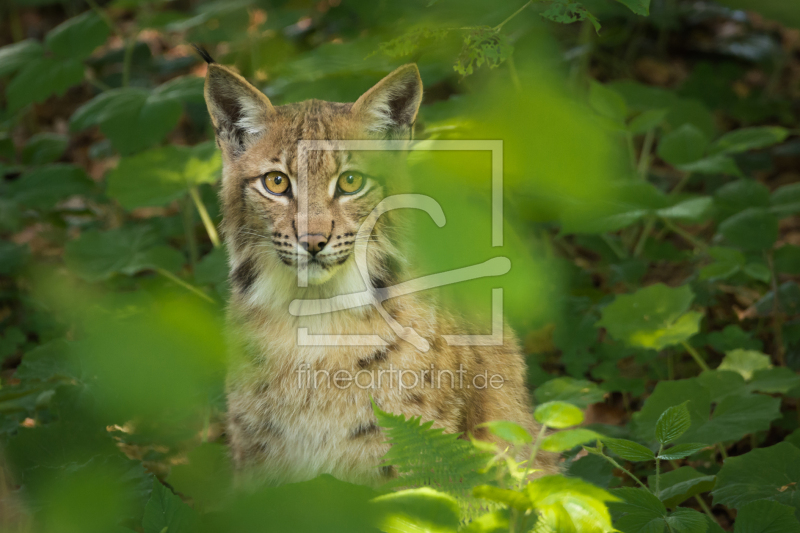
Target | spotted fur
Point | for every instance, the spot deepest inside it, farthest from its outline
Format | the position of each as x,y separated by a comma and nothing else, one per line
278,429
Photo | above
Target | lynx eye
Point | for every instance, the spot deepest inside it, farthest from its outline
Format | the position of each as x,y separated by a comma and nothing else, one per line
276,182
350,182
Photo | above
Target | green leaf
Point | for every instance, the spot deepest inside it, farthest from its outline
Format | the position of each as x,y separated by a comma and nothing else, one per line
745,362
738,415
744,139
758,271
715,164
44,148
166,511
422,509
647,120
495,522
158,177
558,415
765,516
569,504
15,56
640,7
41,78
777,380
578,392
679,451
673,423
654,317
131,117
763,474
728,261
509,498
205,475
96,255
562,441
508,431
668,394
683,145
43,187
787,259
785,200
692,209
607,102
687,521
78,37
640,511
740,195
681,484
629,450
752,229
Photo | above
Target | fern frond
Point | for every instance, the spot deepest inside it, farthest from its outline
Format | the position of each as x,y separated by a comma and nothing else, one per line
428,457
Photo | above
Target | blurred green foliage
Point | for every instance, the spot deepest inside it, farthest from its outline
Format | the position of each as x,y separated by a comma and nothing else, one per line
650,215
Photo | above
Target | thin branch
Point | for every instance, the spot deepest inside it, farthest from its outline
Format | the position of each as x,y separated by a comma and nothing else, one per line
206,218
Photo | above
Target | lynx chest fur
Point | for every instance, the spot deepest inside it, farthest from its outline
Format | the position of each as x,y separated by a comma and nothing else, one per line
292,217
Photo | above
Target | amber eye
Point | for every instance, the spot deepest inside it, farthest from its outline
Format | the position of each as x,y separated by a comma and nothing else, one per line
276,182
350,182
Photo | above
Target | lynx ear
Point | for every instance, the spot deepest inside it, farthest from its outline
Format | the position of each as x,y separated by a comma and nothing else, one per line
392,104
239,111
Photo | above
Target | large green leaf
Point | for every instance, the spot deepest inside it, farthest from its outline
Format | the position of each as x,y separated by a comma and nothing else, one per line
679,485
44,148
785,200
558,415
569,504
752,229
744,139
41,78
15,56
77,37
566,389
745,362
160,176
639,511
766,473
166,511
654,317
765,516
96,255
683,145
43,187
422,509
131,117
562,441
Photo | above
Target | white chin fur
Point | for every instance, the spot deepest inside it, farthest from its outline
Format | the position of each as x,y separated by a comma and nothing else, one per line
318,275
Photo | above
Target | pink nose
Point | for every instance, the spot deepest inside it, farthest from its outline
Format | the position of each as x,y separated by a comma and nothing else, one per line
313,243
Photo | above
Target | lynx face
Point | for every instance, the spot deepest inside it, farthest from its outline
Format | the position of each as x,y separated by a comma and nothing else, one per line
266,178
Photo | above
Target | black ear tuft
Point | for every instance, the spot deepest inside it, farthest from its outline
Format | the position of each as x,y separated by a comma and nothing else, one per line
204,54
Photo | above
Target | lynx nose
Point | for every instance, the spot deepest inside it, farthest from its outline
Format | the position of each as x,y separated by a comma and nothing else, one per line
313,243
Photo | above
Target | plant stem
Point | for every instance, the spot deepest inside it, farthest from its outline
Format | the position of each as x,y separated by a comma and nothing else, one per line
777,317
648,228
614,247
126,60
188,228
694,241
617,465
658,472
536,443
722,451
706,509
681,184
517,12
205,217
696,356
644,157
191,288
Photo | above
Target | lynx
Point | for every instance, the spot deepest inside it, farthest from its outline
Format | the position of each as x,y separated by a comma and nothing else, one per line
282,425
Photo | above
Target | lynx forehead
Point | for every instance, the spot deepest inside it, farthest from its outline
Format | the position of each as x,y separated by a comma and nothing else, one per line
281,427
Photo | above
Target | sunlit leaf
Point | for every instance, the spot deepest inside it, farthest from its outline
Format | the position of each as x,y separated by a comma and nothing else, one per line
558,415
673,423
